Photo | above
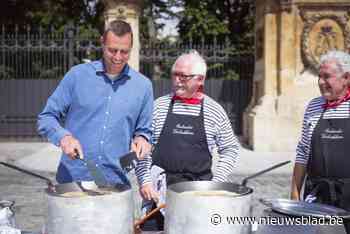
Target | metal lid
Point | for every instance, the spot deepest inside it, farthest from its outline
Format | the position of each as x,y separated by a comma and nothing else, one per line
300,208
6,203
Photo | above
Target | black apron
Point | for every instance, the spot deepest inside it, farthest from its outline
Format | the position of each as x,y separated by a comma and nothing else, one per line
182,151
328,168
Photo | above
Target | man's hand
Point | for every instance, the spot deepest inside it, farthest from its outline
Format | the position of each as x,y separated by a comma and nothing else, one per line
148,193
71,147
140,146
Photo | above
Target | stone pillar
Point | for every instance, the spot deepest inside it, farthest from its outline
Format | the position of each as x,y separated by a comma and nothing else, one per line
129,11
291,35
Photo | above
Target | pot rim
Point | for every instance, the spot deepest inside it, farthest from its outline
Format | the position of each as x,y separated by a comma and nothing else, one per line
212,185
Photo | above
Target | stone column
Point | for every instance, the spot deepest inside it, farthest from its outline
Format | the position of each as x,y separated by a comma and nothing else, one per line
291,35
129,11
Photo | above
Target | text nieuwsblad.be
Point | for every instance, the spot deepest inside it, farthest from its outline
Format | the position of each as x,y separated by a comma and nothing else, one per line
217,219
285,220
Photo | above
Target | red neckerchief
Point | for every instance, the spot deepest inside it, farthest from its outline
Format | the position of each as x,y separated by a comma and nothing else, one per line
336,103
196,99
192,101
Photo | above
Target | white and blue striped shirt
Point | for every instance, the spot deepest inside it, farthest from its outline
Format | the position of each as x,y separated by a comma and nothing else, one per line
218,131
312,115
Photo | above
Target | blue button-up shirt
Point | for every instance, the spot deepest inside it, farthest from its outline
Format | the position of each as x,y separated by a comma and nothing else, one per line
104,115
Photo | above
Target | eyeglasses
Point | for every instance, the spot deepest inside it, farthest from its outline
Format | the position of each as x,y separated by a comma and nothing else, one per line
183,77
114,51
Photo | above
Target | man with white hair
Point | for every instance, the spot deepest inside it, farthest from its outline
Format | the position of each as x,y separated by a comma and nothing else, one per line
323,151
187,125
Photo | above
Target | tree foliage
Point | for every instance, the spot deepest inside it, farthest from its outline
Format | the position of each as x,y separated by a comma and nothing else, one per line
153,16
84,14
226,18
52,13
197,19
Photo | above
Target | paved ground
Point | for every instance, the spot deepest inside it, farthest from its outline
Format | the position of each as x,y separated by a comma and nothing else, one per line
28,192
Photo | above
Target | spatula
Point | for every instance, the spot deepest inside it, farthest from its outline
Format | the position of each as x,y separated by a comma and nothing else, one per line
128,161
95,173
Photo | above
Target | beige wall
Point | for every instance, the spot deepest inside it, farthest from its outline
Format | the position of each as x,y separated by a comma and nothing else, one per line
285,75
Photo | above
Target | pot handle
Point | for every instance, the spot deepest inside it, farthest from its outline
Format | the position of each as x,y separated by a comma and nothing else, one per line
245,180
48,181
266,202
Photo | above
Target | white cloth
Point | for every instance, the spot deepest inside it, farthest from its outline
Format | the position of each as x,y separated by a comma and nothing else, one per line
7,222
158,177
7,217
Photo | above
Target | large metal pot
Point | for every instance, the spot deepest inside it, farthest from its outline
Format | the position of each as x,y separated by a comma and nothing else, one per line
188,214
108,214
94,211
196,214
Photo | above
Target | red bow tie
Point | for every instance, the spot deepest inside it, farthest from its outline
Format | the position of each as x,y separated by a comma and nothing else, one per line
336,103
193,101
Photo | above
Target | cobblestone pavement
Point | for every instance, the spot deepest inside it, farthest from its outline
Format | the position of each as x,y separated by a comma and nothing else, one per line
30,207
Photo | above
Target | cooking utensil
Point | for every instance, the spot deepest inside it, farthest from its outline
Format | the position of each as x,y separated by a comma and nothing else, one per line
59,189
241,189
128,161
301,208
179,216
245,180
48,181
148,215
96,174
88,214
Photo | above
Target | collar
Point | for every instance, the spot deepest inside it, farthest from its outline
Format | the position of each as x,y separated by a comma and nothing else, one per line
334,104
100,69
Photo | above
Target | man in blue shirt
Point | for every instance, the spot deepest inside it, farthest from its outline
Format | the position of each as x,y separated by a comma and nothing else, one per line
106,108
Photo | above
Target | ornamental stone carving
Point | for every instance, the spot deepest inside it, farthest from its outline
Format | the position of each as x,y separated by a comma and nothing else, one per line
286,5
323,31
121,12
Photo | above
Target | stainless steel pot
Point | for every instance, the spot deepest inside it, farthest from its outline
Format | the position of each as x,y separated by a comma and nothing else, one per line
106,210
189,214
108,214
196,214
